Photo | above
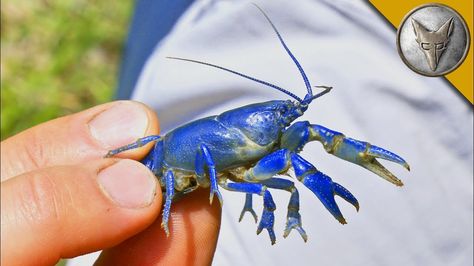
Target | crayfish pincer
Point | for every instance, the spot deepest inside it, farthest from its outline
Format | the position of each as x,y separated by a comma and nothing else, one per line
244,149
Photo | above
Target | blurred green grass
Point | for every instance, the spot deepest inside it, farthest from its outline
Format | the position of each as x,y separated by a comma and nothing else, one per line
58,57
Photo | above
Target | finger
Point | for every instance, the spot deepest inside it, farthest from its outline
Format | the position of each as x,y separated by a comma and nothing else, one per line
194,228
67,211
79,137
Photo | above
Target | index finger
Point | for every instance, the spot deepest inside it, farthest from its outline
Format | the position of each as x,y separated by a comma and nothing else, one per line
79,137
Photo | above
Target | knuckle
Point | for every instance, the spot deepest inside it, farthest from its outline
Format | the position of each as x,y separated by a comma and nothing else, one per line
42,201
35,151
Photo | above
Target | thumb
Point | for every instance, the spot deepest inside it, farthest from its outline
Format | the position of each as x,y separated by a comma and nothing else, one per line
67,211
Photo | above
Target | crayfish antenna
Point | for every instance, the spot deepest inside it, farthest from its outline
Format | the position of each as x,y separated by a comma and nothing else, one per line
239,74
298,65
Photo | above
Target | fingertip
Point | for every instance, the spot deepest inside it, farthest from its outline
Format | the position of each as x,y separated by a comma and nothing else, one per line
122,123
129,184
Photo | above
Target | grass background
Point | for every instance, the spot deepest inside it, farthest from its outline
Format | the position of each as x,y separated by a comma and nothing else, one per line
58,57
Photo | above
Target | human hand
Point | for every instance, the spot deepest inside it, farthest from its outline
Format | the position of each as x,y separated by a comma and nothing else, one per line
61,199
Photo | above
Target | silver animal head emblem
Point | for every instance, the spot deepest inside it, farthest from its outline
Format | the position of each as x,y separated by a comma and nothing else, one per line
433,43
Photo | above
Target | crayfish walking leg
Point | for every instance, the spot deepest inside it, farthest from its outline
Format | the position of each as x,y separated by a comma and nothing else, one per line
169,179
268,218
204,157
320,184
293,218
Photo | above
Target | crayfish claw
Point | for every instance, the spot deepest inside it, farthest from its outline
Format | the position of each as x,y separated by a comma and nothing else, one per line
366,155
359,152
294,222
214,189
268,218
248,208
218,195
377,152
255,216
293,218
325,189
369,162
377,168
267,223
346,195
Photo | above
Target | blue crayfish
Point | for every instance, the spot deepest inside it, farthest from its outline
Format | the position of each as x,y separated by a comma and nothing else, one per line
245,148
